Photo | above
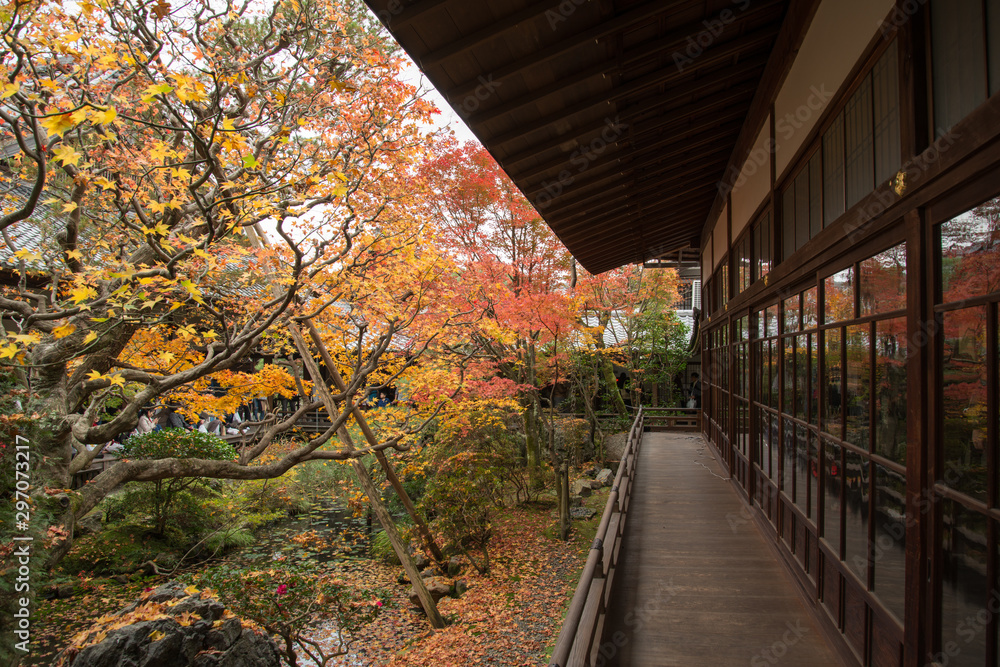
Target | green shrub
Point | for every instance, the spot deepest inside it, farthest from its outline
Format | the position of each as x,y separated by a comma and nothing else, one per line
382,550
177,443
289,600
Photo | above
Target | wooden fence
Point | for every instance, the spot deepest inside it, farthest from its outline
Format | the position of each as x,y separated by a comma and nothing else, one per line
583,628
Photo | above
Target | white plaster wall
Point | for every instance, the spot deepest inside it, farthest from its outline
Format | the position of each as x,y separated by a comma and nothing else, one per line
720,242
754,183
835,41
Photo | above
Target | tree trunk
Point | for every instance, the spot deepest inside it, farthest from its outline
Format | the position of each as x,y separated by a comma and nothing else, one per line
608,371
564,520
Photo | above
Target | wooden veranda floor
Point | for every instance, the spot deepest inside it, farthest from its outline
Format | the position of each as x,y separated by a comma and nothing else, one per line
697,584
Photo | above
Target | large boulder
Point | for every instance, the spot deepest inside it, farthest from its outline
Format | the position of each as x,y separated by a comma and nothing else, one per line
580,487
438,587
605,477
614,446
171,626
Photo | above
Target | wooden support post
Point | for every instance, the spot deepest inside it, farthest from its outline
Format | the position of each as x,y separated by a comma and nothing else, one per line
390,474
368,485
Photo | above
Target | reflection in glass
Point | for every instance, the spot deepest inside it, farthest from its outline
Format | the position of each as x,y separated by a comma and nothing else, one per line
883,282
970,253
773,425
833,475
838,297
771,314
833,400
890,381
791,311
788,462
802,352
813,476
856,514
761,324
964,583
964,401
788,345
801,497
809,309
857,385
889,547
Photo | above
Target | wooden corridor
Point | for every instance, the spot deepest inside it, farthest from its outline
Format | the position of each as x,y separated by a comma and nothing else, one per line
696,583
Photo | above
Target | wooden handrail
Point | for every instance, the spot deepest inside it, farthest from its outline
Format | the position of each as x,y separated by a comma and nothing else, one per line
583,627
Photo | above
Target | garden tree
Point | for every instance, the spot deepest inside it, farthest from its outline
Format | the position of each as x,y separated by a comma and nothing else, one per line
168,140
628,312
515,271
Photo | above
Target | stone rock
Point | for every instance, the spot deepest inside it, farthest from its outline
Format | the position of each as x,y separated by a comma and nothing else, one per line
614,446
429,573
581,513
120,578
461,586
605,477
580,487
402,578
455,566
575,501
421,559
595,484
438,587
200,644
59,592
88,525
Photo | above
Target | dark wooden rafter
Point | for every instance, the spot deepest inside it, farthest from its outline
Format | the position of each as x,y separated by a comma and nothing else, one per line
638,141
654,153
568,45
720,54
755,64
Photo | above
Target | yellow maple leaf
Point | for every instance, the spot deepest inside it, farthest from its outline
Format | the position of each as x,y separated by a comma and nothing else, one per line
64,330
90,338
74,254
58,125
105,117
66,154
94,375
104,183
156,89
8,351
69,207
81,294
157,636
9,89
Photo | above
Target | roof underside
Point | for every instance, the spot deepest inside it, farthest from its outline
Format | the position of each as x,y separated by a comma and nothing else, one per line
616,118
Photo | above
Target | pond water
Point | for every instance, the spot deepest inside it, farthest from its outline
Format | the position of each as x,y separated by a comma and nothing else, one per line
325,534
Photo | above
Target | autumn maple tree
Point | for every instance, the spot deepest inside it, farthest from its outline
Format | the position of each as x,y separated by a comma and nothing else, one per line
189,186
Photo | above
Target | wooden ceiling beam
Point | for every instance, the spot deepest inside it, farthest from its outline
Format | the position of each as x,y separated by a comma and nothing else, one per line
638,184
395,20
679,214
525,129
489,32
716,54
562,47
704,119
665,149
